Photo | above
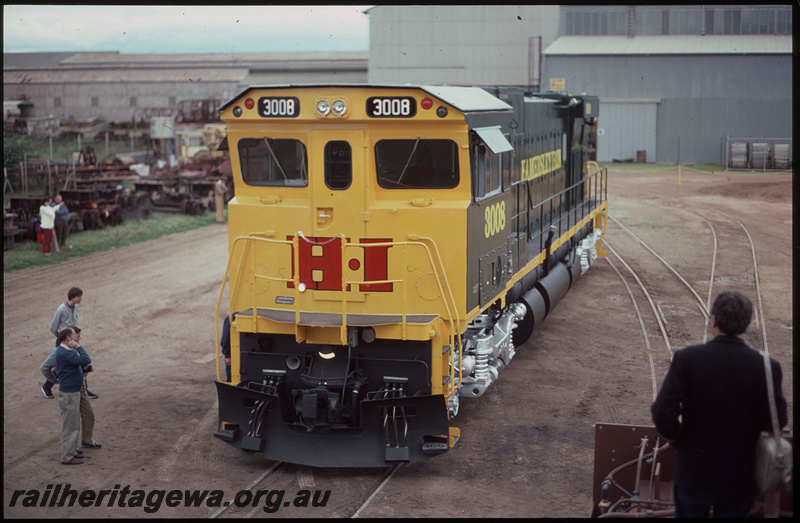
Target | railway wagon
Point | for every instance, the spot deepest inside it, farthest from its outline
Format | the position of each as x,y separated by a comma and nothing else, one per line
389,249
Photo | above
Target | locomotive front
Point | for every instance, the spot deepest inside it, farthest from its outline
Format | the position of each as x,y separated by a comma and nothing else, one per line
345,232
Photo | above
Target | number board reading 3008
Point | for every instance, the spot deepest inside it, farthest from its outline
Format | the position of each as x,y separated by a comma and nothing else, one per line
391,107
278,107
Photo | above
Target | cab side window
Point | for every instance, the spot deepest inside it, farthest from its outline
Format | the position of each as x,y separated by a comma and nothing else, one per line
486,171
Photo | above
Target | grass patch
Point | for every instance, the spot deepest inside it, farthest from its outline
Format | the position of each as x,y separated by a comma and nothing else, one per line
29,253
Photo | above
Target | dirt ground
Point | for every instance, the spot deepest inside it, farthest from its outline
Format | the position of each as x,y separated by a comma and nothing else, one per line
527,445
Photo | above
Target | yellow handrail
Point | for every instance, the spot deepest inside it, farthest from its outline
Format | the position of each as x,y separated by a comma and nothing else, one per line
431,253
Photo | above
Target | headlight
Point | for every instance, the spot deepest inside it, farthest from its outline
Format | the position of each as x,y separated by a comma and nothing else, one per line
339,107
323,107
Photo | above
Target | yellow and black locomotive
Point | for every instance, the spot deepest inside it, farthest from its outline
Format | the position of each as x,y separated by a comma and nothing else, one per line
390,246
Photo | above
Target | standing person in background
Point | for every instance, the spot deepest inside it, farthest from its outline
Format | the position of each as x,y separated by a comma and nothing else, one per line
47,218
66,315
86,410
61,222
54,237
219,199
711,408
70,360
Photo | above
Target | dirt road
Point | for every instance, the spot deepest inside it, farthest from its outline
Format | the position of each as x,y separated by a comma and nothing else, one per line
526,449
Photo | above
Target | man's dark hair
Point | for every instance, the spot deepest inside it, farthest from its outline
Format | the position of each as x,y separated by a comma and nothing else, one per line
74,293
75,328
64,334
732,311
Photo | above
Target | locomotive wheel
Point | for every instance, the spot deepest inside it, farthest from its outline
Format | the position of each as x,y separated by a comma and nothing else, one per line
524,327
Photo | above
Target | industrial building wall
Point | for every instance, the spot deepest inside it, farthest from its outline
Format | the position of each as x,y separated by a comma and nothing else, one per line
459,45
118,87
699,98
344,76
114,102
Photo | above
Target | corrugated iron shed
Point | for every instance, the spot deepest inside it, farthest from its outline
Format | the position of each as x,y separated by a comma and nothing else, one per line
671,45
126,75
149,60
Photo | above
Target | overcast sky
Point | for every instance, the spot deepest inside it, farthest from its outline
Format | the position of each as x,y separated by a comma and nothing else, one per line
184,29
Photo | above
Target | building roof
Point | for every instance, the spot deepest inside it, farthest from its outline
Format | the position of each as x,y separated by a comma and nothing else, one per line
27,61
670,45
124,75
100,59
111,67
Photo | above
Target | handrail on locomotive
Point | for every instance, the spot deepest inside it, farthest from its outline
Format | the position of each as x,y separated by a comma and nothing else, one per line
435,263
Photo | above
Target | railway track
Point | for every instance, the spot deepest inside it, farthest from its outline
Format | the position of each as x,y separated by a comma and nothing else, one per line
726,270
273,491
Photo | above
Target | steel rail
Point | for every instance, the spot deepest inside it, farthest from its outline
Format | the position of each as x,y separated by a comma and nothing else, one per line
644,329
713,270
376,491
758,285
629,233
230,503
649,298
252,484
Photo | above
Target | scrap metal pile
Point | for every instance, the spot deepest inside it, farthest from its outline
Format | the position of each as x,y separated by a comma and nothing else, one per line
176,173
102,199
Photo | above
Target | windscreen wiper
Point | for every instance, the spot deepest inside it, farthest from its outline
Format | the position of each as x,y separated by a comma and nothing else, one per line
408,162
275,157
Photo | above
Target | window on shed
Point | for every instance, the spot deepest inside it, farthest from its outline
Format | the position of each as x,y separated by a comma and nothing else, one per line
763,21
733,21
709,27
747,26
618,24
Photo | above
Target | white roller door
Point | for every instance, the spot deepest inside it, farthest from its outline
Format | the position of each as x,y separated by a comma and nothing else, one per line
626,127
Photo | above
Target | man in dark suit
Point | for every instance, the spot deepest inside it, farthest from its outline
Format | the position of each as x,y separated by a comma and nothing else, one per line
711,407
